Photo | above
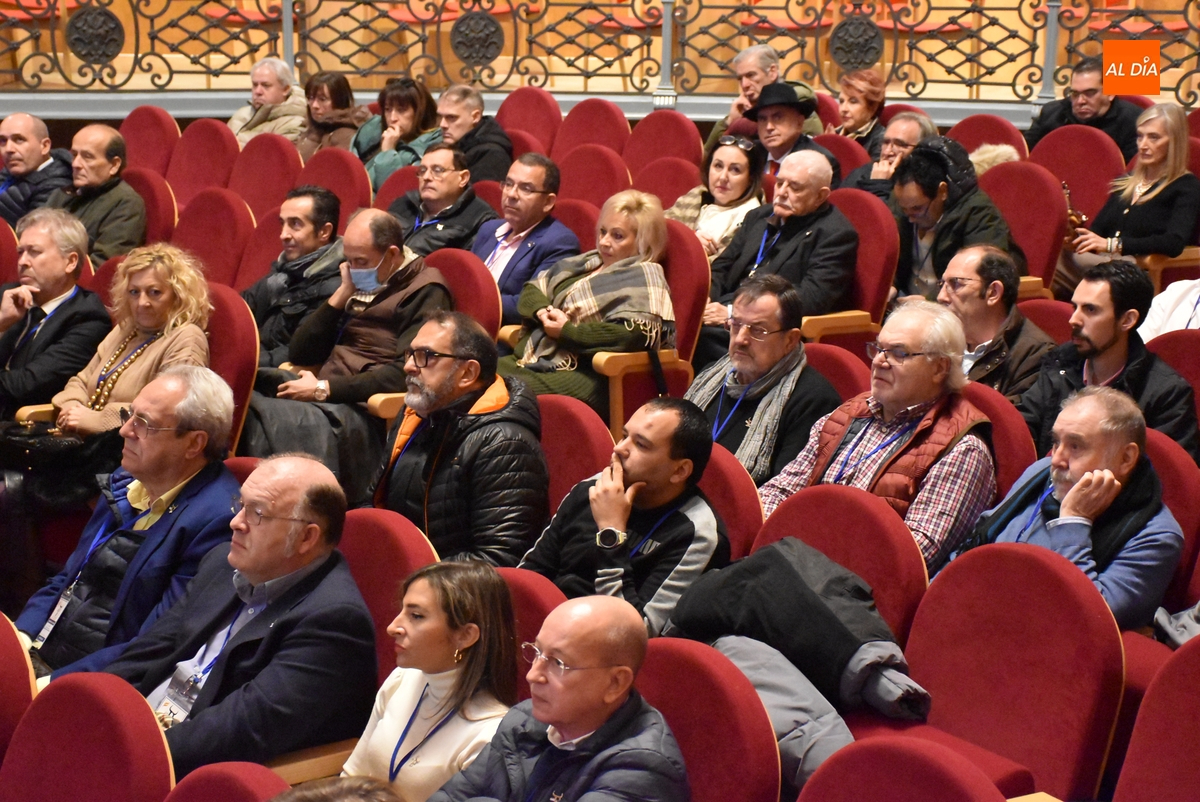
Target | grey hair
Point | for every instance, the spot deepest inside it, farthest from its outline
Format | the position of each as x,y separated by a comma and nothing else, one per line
817,166
943,336
1123,419
467,95
924,123
207,407
278,66
764,55
64,228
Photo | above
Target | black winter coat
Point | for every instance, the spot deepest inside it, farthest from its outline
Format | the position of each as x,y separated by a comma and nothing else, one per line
453,227
476,484
488,150
31,192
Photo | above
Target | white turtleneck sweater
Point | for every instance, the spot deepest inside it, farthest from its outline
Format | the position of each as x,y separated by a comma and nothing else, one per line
450,750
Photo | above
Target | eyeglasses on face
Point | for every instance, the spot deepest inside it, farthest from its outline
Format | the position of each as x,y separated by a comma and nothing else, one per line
524,189
141,427
421,356
437,170
255,516
898,144
757,333
895,354
1087,94
533,654
739,141
956,284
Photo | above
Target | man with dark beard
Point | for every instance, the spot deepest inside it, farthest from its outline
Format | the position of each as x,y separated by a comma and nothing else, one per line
1110,301
464,463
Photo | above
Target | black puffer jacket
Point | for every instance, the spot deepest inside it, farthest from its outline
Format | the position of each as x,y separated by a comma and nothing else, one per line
475,481
488,150
452,227
28,193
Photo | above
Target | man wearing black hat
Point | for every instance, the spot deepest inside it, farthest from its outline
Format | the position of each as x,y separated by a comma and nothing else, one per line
780,115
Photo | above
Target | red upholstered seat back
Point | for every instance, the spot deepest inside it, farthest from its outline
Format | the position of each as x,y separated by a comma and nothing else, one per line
1193,119
264,172
398,183
1052,317
1030,199
1181,350
101,281
229,782
1180,477
343,174
8,254
878,248
721,725
688,274
150,135
1161,764
898,770
262,249
533,597
575,441
233,350
155,192
203,158
533,110
242,467
115,751
667,179
524,142
735,498
215,227
829,110
1021,656
858,531
579,216
16,683
593,173
593,121
850,154
890,110
987,129
382,548
1012,445
848,374
490,193
661,133
471,286
1088,177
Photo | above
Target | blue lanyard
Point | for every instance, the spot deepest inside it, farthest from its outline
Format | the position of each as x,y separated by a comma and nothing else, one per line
411,437
104,534
418,224
1037,508
393,766
1187,325
718,424
844,469
103,377
228,634
763,247
33,330
500,242
654,529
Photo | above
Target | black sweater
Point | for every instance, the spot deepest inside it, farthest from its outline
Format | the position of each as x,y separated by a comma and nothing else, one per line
1166,223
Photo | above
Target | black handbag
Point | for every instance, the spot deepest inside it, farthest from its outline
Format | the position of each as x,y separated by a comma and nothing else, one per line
59,469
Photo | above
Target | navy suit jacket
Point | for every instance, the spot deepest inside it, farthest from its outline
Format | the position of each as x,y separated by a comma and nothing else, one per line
65,343
300,673
548,243
159,572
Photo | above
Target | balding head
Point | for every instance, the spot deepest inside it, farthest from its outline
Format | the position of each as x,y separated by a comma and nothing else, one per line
601,640
98,153
374,239
24,144
802,184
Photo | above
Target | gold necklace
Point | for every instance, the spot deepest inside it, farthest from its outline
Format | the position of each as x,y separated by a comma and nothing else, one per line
108,381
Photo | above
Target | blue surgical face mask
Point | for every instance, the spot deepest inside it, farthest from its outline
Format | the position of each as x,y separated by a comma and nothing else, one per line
366,279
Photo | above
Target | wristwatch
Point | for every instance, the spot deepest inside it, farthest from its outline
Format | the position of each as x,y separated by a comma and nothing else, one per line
322,391
609,538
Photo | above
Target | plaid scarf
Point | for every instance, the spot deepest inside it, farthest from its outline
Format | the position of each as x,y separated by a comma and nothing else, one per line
630,291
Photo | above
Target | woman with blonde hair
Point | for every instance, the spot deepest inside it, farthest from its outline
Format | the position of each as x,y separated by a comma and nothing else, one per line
614,298
859,104
455,678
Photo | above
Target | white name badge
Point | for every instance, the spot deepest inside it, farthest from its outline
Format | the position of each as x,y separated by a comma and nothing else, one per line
63,601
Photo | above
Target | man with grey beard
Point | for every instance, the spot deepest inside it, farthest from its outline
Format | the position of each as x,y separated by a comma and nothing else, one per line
464,463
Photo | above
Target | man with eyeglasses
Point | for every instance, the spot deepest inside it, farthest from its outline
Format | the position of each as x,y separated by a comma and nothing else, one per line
443,212
762,398
527,240
903,133
271,649
464,463
586,733
158,515
352,346
1004,350
912,440
1085,103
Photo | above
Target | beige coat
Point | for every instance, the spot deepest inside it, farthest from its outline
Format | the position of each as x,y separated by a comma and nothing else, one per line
288,118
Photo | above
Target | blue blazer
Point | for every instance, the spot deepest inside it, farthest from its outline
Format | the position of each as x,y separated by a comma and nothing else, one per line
300,673
548,243
159,572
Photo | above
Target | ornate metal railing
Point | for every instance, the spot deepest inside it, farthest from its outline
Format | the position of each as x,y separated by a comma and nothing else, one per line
1004,50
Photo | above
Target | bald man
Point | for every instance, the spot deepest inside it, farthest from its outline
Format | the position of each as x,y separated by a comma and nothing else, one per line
586,732
271,649
800,236
32,168
111,211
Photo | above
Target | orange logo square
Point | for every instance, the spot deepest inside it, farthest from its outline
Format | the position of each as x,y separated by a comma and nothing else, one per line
1131,67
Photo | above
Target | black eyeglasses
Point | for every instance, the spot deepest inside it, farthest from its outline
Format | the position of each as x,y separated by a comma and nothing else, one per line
255,516
896,354
523,189
421,356
437,170
1087,94
740,141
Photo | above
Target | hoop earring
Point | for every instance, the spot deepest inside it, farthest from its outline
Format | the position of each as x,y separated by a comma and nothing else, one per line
458,655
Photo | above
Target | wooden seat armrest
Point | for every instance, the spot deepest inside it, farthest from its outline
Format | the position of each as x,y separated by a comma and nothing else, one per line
1032,287
814,327
36,412
510,335
1155,263
313,763
613,363
386,405
1040,796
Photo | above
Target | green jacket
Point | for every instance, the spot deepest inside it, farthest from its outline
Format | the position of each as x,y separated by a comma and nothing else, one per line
113,214
381,164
